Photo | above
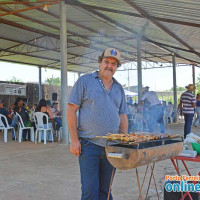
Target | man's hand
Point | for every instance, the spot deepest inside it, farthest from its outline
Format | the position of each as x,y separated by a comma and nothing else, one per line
75,147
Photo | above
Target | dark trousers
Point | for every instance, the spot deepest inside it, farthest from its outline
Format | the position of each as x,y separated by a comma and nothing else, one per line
25,136
58,123
95,170
188,123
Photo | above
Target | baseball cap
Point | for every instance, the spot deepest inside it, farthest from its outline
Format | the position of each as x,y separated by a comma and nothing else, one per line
112,52
1,101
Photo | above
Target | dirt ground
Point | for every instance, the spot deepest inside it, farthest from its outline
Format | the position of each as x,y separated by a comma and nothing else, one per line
37,172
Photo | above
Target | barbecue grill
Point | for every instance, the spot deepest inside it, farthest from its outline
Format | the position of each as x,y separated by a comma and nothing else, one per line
126,156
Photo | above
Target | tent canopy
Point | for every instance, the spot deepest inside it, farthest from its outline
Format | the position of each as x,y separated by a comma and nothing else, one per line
29,31
130,94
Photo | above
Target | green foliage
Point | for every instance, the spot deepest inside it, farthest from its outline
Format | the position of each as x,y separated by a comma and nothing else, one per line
178,89
53,81
15,80
198,84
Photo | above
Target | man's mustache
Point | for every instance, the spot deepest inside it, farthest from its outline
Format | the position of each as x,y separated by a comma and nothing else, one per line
109,69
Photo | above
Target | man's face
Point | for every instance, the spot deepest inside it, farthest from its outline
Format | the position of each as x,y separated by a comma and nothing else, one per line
1,105
191,89
20,103
108,66
56,106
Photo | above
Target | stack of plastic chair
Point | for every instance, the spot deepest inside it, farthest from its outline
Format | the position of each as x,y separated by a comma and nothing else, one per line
38,117
22,127
5,127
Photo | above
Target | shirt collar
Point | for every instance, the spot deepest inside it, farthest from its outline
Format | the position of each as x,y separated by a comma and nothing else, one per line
189,91
95,75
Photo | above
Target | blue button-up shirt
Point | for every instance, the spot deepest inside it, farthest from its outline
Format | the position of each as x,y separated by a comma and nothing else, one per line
99,110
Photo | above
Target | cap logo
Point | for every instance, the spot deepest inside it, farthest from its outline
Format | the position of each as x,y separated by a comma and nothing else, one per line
113,52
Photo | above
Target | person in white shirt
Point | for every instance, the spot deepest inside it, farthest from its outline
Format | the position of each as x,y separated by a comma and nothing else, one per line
130,115
155,110
57,115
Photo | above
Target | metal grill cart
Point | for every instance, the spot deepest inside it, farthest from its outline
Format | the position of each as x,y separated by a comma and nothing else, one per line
125,156
176,166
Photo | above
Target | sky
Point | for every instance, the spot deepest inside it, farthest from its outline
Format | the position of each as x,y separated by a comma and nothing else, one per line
156,79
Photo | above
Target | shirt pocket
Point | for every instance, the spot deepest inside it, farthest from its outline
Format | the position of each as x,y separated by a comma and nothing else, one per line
94,95
117,100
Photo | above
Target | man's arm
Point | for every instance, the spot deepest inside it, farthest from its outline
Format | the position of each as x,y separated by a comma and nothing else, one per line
194,102
10,116
123,128
180,106
75,145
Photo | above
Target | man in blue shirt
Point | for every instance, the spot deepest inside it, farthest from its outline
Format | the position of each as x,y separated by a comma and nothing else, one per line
100,100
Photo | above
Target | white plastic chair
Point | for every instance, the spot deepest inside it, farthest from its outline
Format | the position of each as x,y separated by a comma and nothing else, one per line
22,127
5,128
38,117
59,134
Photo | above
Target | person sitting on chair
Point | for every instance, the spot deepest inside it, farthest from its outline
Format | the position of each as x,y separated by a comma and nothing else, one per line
12,121
19,108
57,116
42,107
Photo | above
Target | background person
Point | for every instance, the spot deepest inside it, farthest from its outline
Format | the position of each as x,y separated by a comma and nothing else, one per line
169,113
12,120
101,102
197,110
11,109
130,115
24,113
155,110
145,110
42,107
56,115
187,106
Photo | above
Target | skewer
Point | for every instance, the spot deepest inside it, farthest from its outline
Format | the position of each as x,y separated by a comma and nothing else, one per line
135,139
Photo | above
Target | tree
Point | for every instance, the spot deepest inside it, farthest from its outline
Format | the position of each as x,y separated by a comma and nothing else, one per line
198,84
178,89
15,80
53,81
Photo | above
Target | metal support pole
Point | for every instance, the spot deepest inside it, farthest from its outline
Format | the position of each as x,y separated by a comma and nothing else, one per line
174,87
193,76
79,74
40,83
139,68
63,59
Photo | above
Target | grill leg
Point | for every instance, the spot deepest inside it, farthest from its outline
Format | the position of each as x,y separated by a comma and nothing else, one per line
138,181
111,180
152,169
176,166
149,181
144,179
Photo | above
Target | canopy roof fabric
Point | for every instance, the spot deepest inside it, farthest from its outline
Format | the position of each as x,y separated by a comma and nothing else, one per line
29,32
130,94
